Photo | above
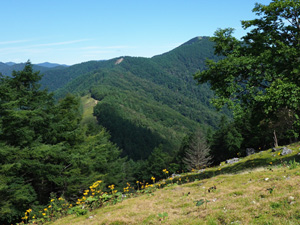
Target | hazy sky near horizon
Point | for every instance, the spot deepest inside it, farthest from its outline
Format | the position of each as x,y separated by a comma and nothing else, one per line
74,31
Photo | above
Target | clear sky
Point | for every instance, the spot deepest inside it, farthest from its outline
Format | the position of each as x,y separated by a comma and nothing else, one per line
74,31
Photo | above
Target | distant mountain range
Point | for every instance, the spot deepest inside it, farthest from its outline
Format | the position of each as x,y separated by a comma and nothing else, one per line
8,67
51,65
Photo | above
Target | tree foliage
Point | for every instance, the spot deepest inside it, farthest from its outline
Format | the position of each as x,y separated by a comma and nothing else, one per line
44,149
260,73
24,108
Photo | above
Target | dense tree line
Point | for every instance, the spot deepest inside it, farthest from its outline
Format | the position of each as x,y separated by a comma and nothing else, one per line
44,150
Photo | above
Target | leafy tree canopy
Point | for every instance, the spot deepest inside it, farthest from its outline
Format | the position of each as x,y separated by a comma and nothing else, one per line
261,72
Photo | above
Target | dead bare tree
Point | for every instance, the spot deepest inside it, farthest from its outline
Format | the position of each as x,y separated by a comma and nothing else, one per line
197,153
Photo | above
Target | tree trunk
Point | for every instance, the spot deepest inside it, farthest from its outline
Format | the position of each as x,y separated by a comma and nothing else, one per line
275,140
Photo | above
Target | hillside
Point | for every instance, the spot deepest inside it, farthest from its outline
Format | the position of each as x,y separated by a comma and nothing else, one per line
259,189
145,102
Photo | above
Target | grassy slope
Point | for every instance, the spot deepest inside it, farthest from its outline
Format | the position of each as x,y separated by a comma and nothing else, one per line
260,189
88,105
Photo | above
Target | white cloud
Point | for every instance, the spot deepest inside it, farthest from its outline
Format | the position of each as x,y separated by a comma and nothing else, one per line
13,42
62,43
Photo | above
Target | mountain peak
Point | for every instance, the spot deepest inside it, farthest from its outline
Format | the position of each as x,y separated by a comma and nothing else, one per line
195,40
50,65
10,63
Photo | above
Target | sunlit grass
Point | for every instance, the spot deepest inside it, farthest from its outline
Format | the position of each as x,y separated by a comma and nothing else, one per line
252,191
88,105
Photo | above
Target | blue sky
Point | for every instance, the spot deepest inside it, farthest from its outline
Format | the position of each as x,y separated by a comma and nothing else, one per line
74,31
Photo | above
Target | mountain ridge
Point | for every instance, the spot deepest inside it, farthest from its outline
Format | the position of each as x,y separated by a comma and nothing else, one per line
157,94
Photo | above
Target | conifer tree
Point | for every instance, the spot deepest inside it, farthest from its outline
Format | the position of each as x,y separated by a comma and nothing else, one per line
24,108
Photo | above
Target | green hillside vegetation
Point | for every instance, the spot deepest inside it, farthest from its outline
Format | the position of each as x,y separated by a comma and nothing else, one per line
45,150
58,77
259,189
145,103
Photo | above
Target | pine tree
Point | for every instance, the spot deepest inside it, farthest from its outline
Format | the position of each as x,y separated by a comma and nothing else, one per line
24,108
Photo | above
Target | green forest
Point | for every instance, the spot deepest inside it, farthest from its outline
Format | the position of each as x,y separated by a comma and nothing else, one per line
206,101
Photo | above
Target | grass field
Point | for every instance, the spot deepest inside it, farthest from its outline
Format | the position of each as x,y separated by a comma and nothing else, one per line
259,189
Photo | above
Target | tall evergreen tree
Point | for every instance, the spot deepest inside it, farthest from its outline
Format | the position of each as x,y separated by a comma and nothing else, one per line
24,108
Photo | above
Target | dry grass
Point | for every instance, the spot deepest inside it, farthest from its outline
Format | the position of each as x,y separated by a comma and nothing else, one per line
247,198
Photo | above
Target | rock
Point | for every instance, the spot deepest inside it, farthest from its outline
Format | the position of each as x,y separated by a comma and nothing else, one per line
250,151
276,149
291,200
175,175
286,151
231,161
200,171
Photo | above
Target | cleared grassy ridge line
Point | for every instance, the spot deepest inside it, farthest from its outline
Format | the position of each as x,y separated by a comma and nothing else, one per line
266,193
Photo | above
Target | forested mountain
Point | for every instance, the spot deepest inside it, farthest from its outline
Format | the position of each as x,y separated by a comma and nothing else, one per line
145,102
